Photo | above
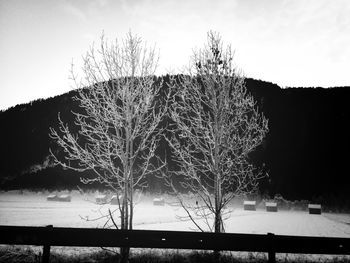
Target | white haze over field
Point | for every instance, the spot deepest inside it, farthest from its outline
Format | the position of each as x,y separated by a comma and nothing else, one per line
30,209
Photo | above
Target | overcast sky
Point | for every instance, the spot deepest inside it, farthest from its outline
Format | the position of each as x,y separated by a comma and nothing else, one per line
287,42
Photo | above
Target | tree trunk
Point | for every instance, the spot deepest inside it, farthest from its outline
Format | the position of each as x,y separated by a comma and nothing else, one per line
217,181
217,187
127,202
218,219
131,210
124,251
124,254
131,181
125,207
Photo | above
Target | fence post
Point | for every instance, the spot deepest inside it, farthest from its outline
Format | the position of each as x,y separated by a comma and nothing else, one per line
46,249
271,252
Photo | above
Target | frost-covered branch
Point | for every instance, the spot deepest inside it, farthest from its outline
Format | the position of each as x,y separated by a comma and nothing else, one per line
118,121
216,126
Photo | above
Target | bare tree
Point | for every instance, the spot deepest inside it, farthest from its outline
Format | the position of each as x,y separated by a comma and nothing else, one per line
118,125
216,126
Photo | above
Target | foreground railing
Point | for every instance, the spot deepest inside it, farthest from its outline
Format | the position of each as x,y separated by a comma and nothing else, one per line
87,237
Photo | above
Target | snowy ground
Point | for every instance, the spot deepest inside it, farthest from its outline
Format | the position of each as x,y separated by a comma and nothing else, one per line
31,209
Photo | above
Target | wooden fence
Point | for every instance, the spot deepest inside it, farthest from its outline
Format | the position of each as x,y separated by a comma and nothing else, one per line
87,237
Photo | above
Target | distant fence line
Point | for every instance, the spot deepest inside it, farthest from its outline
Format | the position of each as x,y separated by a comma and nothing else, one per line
88,237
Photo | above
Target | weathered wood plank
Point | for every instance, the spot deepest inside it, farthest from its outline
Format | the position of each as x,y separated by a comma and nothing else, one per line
87,237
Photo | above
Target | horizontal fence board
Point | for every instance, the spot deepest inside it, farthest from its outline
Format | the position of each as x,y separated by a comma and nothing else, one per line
311,245
87,237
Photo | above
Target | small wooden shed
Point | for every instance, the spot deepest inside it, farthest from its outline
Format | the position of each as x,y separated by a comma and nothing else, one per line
249,205
271,206
314,209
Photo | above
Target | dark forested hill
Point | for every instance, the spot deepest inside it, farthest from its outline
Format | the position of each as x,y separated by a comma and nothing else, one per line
305,152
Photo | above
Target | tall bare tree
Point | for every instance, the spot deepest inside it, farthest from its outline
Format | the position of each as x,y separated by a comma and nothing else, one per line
118,125
216,126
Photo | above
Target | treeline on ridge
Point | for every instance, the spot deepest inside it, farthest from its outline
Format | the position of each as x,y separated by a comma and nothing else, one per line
304,153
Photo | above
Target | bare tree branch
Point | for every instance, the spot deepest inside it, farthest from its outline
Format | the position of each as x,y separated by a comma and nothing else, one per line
118,120
216,126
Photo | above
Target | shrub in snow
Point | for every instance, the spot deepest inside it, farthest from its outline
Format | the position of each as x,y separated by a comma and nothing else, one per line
282,203
101,199
158,201
52,198
116,200
300,205
64,198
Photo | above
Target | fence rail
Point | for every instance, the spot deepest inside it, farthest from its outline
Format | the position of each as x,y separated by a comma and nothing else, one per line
87,237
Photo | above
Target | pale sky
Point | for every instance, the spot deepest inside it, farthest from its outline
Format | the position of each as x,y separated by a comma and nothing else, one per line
287,42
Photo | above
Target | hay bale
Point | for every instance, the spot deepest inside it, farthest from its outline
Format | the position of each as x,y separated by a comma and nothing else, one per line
116,200
314,209
159,201
101,199
64,198
271,206
249,205
52,198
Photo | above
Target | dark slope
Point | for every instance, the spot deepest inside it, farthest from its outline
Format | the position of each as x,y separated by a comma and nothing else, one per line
305,151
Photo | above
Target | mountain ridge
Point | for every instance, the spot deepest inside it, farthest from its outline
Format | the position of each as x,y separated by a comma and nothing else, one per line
304,153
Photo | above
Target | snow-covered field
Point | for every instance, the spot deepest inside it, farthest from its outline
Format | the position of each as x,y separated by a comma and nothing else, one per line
32,209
